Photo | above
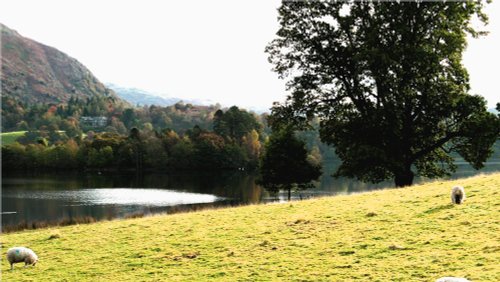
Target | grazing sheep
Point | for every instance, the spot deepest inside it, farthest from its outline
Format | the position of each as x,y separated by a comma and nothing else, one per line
457,195
452,279
21,254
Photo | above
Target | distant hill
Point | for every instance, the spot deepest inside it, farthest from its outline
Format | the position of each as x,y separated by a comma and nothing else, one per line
33,72
142,97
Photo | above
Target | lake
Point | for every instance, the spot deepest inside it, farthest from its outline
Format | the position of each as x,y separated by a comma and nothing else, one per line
51,197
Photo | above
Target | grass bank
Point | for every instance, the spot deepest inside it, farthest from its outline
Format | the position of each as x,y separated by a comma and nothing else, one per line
409,234
10,137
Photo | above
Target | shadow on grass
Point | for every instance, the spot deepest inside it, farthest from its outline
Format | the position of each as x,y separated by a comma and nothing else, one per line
438,209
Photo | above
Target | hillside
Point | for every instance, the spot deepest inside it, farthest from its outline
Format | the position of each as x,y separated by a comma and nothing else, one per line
409,234
33,72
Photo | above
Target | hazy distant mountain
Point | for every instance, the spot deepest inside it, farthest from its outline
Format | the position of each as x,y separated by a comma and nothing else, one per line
493,110
33,72
142,97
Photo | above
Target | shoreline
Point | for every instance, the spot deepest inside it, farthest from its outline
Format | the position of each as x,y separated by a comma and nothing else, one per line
190,208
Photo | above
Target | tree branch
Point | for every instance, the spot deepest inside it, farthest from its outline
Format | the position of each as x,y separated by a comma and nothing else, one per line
433,147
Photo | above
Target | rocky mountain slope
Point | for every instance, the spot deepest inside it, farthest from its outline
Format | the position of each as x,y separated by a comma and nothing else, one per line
33,72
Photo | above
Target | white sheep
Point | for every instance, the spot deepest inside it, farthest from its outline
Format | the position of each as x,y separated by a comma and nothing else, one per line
21,254
457,195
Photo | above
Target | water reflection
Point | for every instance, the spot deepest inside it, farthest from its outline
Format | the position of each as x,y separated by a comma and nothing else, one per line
117,196
49,197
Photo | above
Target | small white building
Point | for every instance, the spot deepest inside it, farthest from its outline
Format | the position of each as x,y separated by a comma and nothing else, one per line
94,121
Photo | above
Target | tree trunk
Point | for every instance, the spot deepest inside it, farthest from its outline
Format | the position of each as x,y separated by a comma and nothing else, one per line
404,178
289,193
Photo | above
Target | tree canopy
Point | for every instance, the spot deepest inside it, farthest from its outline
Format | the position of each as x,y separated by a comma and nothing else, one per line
234,123
387,81
285,163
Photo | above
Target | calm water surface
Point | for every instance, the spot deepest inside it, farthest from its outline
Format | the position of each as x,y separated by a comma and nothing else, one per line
52,197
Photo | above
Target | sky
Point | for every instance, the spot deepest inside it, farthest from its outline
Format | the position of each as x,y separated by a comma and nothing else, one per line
193,49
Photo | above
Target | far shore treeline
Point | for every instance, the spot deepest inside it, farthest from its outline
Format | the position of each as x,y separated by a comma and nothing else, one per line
177,137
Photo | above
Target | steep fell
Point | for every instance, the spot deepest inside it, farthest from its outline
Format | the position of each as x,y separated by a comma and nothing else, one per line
35,73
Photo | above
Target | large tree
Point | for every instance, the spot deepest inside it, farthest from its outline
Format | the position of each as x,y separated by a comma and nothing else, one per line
387,82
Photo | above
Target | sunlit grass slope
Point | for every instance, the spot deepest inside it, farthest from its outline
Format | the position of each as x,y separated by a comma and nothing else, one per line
10,137
409,234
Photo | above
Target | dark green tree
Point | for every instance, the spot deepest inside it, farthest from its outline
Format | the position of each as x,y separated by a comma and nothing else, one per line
209,149
284,164
235,123
135,139
129,118
387,82
219,125
183,155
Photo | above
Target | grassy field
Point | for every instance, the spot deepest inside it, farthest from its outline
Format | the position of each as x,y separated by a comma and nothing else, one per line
10,137
409,234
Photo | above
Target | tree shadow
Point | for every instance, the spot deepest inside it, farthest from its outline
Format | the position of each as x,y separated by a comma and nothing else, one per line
438,208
